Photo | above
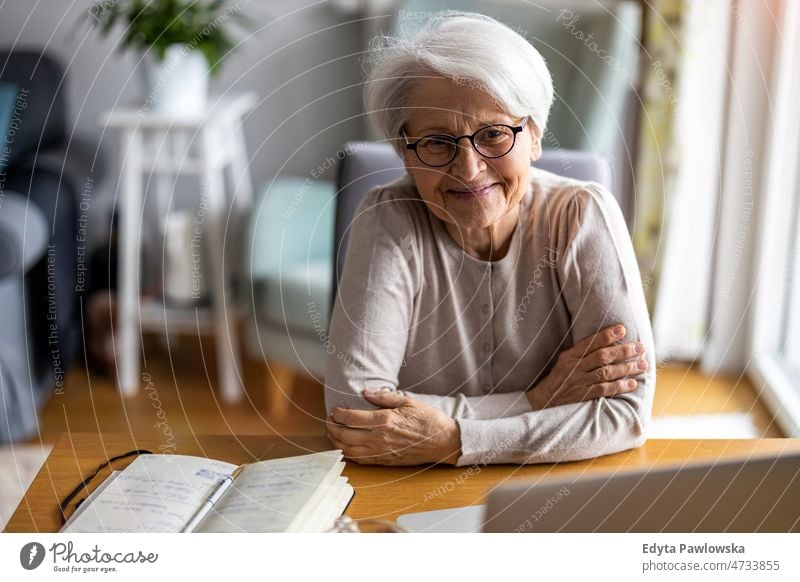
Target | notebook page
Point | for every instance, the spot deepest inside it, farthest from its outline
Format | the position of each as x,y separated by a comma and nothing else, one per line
87,502
270,495
344,500
314,515
345,495
321,517
319,497
313,506
155,493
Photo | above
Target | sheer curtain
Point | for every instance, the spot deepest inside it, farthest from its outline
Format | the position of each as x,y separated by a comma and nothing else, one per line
706,243
757,44
689,70
726,259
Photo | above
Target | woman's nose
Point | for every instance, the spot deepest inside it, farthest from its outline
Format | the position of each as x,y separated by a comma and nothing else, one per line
468,163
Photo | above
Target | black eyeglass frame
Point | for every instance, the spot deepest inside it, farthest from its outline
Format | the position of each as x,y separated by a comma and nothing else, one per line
471,137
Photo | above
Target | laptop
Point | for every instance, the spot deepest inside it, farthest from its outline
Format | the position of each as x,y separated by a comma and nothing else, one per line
755,494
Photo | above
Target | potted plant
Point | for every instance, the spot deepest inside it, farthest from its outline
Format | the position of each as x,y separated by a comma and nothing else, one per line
184,42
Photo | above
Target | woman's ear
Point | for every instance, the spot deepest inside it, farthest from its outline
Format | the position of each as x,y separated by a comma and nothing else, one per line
407,156
536,142
405,153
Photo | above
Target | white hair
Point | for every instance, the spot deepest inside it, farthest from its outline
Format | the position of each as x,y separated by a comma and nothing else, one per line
469,48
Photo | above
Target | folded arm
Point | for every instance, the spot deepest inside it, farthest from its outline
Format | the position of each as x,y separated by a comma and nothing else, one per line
373,312
601,285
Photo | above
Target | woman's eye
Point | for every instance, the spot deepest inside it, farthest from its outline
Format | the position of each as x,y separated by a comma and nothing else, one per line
436,143
492,134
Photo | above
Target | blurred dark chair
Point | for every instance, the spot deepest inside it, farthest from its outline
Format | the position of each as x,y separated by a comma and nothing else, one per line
23,236
52,169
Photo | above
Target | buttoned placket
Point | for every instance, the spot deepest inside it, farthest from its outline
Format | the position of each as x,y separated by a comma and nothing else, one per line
487,339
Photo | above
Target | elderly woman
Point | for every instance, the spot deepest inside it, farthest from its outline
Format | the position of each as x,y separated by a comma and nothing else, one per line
489,312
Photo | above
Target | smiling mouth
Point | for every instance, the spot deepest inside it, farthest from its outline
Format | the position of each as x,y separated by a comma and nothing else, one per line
468,194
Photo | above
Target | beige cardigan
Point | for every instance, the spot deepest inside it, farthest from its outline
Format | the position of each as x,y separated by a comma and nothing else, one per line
417,314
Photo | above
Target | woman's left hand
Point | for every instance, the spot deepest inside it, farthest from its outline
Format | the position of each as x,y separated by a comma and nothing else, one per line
403,432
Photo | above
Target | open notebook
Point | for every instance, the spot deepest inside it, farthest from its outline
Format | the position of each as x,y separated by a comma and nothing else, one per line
177,493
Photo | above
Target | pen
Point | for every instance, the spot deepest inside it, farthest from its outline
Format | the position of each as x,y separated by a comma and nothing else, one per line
215,496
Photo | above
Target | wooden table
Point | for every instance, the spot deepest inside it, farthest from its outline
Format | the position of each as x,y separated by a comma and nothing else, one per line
382,492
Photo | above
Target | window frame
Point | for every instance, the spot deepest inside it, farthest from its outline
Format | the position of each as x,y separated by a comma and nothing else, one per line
776,231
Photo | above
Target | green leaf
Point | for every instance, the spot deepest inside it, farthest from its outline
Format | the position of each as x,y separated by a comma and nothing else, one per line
161,23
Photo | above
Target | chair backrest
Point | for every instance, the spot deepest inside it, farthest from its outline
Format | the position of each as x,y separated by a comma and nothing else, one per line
39,78
593,84
369,164
24,233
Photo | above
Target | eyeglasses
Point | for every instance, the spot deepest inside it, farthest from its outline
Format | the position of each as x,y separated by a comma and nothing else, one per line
492,141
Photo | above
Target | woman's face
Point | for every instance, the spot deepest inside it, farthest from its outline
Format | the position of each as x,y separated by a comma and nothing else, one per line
471,191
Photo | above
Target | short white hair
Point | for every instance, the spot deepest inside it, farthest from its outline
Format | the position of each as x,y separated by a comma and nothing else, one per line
469,48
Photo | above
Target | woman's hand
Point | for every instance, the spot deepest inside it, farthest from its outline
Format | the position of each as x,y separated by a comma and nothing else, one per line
403,432
592,368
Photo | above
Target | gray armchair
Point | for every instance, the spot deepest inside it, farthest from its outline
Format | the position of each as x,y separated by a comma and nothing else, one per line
23,237
298,249
50,168
592,50
368,164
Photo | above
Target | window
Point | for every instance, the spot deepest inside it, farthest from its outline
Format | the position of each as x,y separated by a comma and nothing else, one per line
775,327
790,353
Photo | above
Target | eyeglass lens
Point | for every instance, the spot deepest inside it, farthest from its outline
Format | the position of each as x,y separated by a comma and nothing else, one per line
492,141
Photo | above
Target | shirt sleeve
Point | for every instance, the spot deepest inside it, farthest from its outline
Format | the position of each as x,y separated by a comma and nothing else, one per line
485,406
601,286
370,322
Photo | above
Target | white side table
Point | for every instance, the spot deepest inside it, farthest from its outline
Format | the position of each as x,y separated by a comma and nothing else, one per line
160,148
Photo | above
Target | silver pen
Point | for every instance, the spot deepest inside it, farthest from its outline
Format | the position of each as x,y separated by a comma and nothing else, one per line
209,503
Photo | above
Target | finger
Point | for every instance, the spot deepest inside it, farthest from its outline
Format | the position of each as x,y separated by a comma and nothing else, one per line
387,399
610,389
336,444
363,455
357,453
357,418
605,337
350,436
332,421
612,355
614,372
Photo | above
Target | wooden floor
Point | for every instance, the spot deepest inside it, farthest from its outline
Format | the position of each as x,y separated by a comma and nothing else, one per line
180,399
